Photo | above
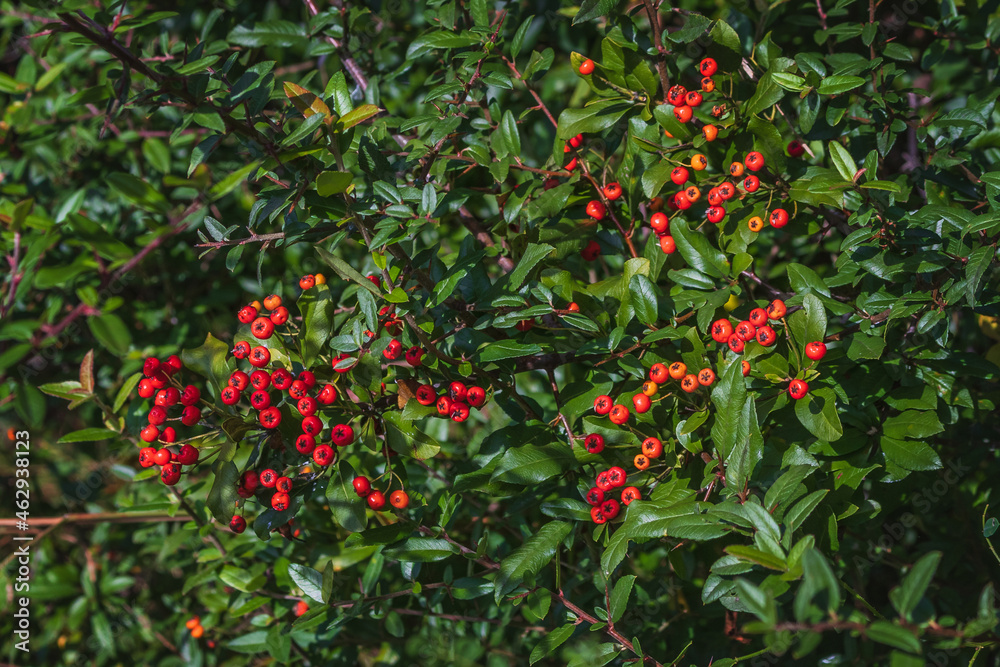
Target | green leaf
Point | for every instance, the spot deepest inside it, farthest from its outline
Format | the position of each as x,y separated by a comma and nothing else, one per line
835,85
125,392
817,411
591,119
272,33
619,597
531,464
697,251
421,550
359,115
87,435
346,271
508,128
528,559
222,496
643,299
137,191
229,183
308,579
893,635
209,360
330,183
920,424
788,81
551,641
758,601
842,160
910,454
801,510
507,349
440,39
348,510
533,254
757,556
735,432
767,95
907,595
317,308
592,9
111,333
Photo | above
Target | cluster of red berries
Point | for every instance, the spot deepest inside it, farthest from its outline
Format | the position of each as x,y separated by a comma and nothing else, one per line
375,498
455,401
160,385
604,508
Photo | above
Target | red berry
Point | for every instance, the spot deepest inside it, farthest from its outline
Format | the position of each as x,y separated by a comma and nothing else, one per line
376,500
594,443
246,314
604,481
327,395
766,336
798,389
237,524
443,406
146,457
778,218
757,317
659,222
241,349
279,315
679,175
413,355
188,455
170,474
597,516
602,405
399,499
393,350
815,350
587,67
260,399
262,328
157,415
150,366
595,496
616,476
230,395
721,330
776,309
459,411
668,245
280,501
306,406
239,380
161,457
270,417
281,379
324,455
715,214
596,209
362,486
675,95
283,484
592,251
746,331
736,344
629,494
754,161
146,388
476,397
426,395
612,191
312,425
683,113
610,508
305,444
618,415
751,183
708,67
641,403
342,435
796,149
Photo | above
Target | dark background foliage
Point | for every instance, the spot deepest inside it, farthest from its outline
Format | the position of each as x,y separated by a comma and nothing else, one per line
158,172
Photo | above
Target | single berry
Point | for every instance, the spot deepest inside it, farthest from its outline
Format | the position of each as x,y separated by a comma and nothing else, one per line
362,486
376,500
618,415
587,67
815,350
399,499
237,524
798,389
324,455
706,377
652,447
677,370
708,67
602,405
641,403
596,209
594,443
612,191
630,493
754,161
